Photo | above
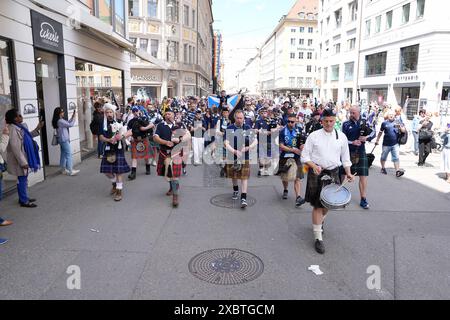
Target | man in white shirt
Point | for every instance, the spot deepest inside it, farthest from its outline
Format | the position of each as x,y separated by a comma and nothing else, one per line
323,152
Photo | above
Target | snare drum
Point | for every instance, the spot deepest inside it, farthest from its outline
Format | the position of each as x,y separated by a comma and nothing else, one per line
333,199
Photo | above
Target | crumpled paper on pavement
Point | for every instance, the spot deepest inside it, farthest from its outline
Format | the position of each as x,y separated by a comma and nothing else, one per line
316,270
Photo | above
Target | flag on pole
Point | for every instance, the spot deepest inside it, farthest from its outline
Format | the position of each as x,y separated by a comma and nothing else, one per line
214,101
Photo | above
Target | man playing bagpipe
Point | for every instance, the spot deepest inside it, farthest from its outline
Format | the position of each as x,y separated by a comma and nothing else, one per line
170,159
140,145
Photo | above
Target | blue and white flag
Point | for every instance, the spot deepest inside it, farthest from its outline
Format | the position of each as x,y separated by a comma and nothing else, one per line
214,101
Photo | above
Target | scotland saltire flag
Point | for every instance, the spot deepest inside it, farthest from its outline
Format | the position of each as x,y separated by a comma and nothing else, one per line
214,101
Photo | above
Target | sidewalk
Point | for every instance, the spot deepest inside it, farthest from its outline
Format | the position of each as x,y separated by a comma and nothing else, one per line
143,247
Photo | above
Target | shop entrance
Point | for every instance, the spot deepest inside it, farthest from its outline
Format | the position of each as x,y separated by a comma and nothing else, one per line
410,101
48,80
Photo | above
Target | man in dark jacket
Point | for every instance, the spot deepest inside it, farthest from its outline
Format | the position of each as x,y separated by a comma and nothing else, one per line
97,121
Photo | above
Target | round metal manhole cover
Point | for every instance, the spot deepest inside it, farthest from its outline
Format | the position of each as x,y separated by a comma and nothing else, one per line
225,201
226,266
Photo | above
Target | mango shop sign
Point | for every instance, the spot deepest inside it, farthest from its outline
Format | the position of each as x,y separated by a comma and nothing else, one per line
47,33
145,77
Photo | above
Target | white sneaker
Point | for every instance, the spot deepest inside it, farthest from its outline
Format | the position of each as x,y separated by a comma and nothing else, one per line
65,172
73,173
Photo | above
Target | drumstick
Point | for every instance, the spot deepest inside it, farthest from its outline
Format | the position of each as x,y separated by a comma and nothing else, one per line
346,181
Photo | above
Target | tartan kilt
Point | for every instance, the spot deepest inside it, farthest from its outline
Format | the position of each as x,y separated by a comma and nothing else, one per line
177,165
140,154
243,174
118,167
314,186
361,168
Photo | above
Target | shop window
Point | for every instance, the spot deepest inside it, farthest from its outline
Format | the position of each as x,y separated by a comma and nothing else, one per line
409,57
376,64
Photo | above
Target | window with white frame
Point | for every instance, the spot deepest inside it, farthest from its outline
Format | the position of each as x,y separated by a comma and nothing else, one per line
376,64
368,25
154,48
388,20
335,73
353,10
292,55
309,56
172,51
292,41
186,15
409,58
152,8
420,8
351,44
378,24
405,13
291,82
338,18
133,8
308,68
172,10
300,55
302,29
310,42
337,48
300,82
310,30
349,70
301,42
308,83
325,75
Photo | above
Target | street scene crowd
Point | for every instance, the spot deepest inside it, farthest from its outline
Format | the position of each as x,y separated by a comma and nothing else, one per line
295,138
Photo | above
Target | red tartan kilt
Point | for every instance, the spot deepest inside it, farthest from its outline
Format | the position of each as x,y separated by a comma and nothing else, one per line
177,166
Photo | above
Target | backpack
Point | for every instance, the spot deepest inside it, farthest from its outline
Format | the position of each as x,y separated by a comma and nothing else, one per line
402,138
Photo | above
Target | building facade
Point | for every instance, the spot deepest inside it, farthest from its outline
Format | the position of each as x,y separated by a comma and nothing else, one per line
218,65
289,55
249,78
404,54
339,31
62,54
178,37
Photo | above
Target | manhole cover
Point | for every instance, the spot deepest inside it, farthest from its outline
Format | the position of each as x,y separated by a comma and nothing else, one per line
225,201
226,266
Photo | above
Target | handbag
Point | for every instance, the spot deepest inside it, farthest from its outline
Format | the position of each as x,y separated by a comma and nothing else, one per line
425,135
55,138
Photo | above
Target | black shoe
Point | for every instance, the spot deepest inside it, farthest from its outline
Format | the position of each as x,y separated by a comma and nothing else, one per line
28,205
29,200
259,173
285,194
320,247
184,172
299,202
147,169
132,175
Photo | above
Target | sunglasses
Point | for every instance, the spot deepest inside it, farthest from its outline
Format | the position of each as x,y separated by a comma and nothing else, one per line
291,121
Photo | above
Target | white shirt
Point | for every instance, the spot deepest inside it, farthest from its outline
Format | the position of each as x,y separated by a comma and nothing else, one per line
323,149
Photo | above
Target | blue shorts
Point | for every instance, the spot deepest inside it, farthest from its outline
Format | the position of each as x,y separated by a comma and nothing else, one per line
394,150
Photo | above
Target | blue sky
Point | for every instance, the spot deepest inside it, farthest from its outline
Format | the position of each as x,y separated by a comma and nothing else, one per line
245,24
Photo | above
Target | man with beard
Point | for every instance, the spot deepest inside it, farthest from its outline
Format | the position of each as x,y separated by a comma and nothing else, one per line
140,146
239,140
170,158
